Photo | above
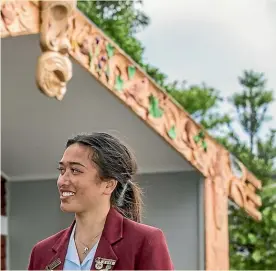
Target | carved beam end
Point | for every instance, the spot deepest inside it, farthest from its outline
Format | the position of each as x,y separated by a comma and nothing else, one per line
243,188
54,68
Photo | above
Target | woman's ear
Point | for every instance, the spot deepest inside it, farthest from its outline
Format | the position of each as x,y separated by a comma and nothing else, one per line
110,185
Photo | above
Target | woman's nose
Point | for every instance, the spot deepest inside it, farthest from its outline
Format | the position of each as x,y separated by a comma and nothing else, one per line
63,179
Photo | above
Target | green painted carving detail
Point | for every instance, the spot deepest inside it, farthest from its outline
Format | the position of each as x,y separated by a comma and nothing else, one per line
119,83
131,71
200,138
172,132
154,109
109,50
204,145
196,139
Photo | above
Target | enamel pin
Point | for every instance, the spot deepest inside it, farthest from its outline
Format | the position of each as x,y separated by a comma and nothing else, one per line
104,264
53,265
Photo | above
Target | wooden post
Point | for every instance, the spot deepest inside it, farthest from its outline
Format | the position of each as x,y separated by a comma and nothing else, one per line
216,225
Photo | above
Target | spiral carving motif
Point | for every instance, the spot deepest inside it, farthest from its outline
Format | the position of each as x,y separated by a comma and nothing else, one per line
53,72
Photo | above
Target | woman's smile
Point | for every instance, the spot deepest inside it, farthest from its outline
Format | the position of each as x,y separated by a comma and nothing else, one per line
66,194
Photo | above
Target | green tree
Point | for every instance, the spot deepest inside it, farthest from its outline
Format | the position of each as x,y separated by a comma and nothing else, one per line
121,20
253,245
202,102
252,103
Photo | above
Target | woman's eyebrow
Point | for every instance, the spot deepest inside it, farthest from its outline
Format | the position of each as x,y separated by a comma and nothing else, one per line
72,164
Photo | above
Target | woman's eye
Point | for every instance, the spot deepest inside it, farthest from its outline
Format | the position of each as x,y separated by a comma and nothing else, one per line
75,171
61,170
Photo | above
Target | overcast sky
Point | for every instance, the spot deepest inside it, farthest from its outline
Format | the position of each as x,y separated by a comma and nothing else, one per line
212,41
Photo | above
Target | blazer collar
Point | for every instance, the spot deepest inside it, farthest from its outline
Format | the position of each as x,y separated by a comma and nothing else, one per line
112,233
60,250
113,228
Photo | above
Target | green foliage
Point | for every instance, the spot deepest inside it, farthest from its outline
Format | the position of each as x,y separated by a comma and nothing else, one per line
252,244
267,149
202,102
252,103
121,20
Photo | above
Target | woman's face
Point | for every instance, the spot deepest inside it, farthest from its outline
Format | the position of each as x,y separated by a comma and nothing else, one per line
79,185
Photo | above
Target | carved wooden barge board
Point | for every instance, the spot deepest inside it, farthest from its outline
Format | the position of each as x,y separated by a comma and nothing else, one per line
19,18
73,34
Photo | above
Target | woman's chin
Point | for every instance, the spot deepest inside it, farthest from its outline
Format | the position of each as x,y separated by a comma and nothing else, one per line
68,208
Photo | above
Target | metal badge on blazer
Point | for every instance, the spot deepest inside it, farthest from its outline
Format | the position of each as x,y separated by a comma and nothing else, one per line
53,265
104,264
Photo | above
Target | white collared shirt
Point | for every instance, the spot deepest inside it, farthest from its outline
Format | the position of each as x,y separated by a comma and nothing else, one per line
72,261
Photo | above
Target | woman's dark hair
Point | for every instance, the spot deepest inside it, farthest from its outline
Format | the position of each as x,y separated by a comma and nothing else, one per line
115,161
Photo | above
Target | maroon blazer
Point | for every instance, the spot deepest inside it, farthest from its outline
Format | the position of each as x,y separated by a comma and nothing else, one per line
124,245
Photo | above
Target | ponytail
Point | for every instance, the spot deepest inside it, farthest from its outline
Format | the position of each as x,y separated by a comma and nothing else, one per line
129,200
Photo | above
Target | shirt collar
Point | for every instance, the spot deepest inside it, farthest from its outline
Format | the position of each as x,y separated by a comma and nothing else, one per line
72,254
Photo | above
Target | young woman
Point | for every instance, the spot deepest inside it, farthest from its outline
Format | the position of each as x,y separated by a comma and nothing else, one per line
96,183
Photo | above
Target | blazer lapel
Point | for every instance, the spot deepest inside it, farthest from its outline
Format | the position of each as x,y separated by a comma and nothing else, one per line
60,250
105,257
